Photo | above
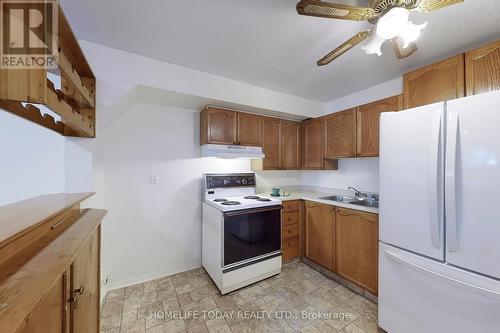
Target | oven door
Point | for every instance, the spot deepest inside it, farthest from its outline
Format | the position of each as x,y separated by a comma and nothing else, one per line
250,235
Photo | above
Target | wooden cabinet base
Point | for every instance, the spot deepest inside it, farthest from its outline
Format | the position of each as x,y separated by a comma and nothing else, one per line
340,280
50,283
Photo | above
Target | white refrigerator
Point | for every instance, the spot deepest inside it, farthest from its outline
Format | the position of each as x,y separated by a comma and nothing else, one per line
439,250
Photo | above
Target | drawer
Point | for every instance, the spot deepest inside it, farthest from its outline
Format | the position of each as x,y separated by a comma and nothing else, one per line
290,218
290,230
290,247
291,206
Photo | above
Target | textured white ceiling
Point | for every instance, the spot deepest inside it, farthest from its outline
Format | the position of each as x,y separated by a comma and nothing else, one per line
266,43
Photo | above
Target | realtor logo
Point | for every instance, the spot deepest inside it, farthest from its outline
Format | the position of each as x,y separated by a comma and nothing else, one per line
28,34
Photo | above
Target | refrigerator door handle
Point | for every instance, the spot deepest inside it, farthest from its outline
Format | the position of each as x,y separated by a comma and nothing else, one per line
446,279
450,185
434,183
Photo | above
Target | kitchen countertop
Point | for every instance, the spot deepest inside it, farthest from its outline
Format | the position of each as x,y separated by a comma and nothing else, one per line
315,196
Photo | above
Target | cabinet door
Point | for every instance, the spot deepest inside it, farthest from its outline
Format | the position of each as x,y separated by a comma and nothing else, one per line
482,69
271,143
49,314
340,134
312,140
319,234
85,276
441,81
249,129
368,123
290,145
218,126
357,248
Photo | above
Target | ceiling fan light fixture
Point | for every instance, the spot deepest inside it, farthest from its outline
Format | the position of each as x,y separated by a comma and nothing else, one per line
392,23
374,46
411,32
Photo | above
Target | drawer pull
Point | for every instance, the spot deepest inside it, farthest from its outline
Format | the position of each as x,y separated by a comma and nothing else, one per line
58,224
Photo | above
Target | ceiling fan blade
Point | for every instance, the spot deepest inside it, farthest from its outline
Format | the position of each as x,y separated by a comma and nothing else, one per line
346,46
401,51
331,10
429,5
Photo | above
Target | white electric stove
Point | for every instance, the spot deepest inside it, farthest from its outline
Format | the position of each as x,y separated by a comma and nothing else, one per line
241,233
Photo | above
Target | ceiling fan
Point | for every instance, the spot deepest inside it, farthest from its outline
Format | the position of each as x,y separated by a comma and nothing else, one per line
390,17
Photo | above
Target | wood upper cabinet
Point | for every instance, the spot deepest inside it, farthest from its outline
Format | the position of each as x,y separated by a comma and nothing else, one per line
482,69
290,145
434,83
85,277
271,143
218,126
357,247
249,129
368,124
320,234
312,143
340,134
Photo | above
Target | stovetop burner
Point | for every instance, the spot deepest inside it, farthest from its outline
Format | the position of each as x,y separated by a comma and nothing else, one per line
231,203
251,197
220,200
263,199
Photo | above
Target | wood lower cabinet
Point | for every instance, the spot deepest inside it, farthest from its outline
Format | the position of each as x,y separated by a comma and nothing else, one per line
85,276
441,81
368,124
249,129
290,230
356,251
218,126
271,143
50,314
290,145
50,283
312,141
340,134
320,234
482,69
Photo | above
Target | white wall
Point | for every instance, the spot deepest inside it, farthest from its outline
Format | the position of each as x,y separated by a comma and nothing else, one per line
32,161
362,173
380,91
153,229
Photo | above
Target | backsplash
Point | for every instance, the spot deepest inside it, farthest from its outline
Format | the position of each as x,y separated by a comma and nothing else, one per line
362,173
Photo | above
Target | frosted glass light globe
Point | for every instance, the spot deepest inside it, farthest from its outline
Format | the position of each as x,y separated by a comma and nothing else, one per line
374,46
392,23
411,32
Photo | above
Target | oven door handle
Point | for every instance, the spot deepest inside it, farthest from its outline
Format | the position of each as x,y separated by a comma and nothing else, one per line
253,210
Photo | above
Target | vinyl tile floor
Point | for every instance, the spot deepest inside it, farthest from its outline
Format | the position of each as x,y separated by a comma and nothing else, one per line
299,299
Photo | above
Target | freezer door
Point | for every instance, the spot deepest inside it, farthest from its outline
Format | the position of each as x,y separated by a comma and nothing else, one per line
418,295
411,179
473,182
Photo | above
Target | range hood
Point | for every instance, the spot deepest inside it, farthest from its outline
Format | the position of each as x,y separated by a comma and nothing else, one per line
230,151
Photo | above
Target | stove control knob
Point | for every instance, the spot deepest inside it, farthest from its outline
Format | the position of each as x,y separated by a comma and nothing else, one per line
244,181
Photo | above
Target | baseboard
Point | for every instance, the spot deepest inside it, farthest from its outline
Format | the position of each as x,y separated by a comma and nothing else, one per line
138,279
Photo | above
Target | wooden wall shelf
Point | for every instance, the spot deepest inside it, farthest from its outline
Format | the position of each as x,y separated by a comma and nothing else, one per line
74,103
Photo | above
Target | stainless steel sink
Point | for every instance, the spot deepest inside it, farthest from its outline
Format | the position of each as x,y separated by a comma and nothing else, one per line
365,203
339,198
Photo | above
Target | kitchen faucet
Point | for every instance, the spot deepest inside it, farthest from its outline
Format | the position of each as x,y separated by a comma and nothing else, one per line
360,195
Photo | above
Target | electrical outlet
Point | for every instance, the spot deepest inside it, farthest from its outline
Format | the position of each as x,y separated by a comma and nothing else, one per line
154,179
